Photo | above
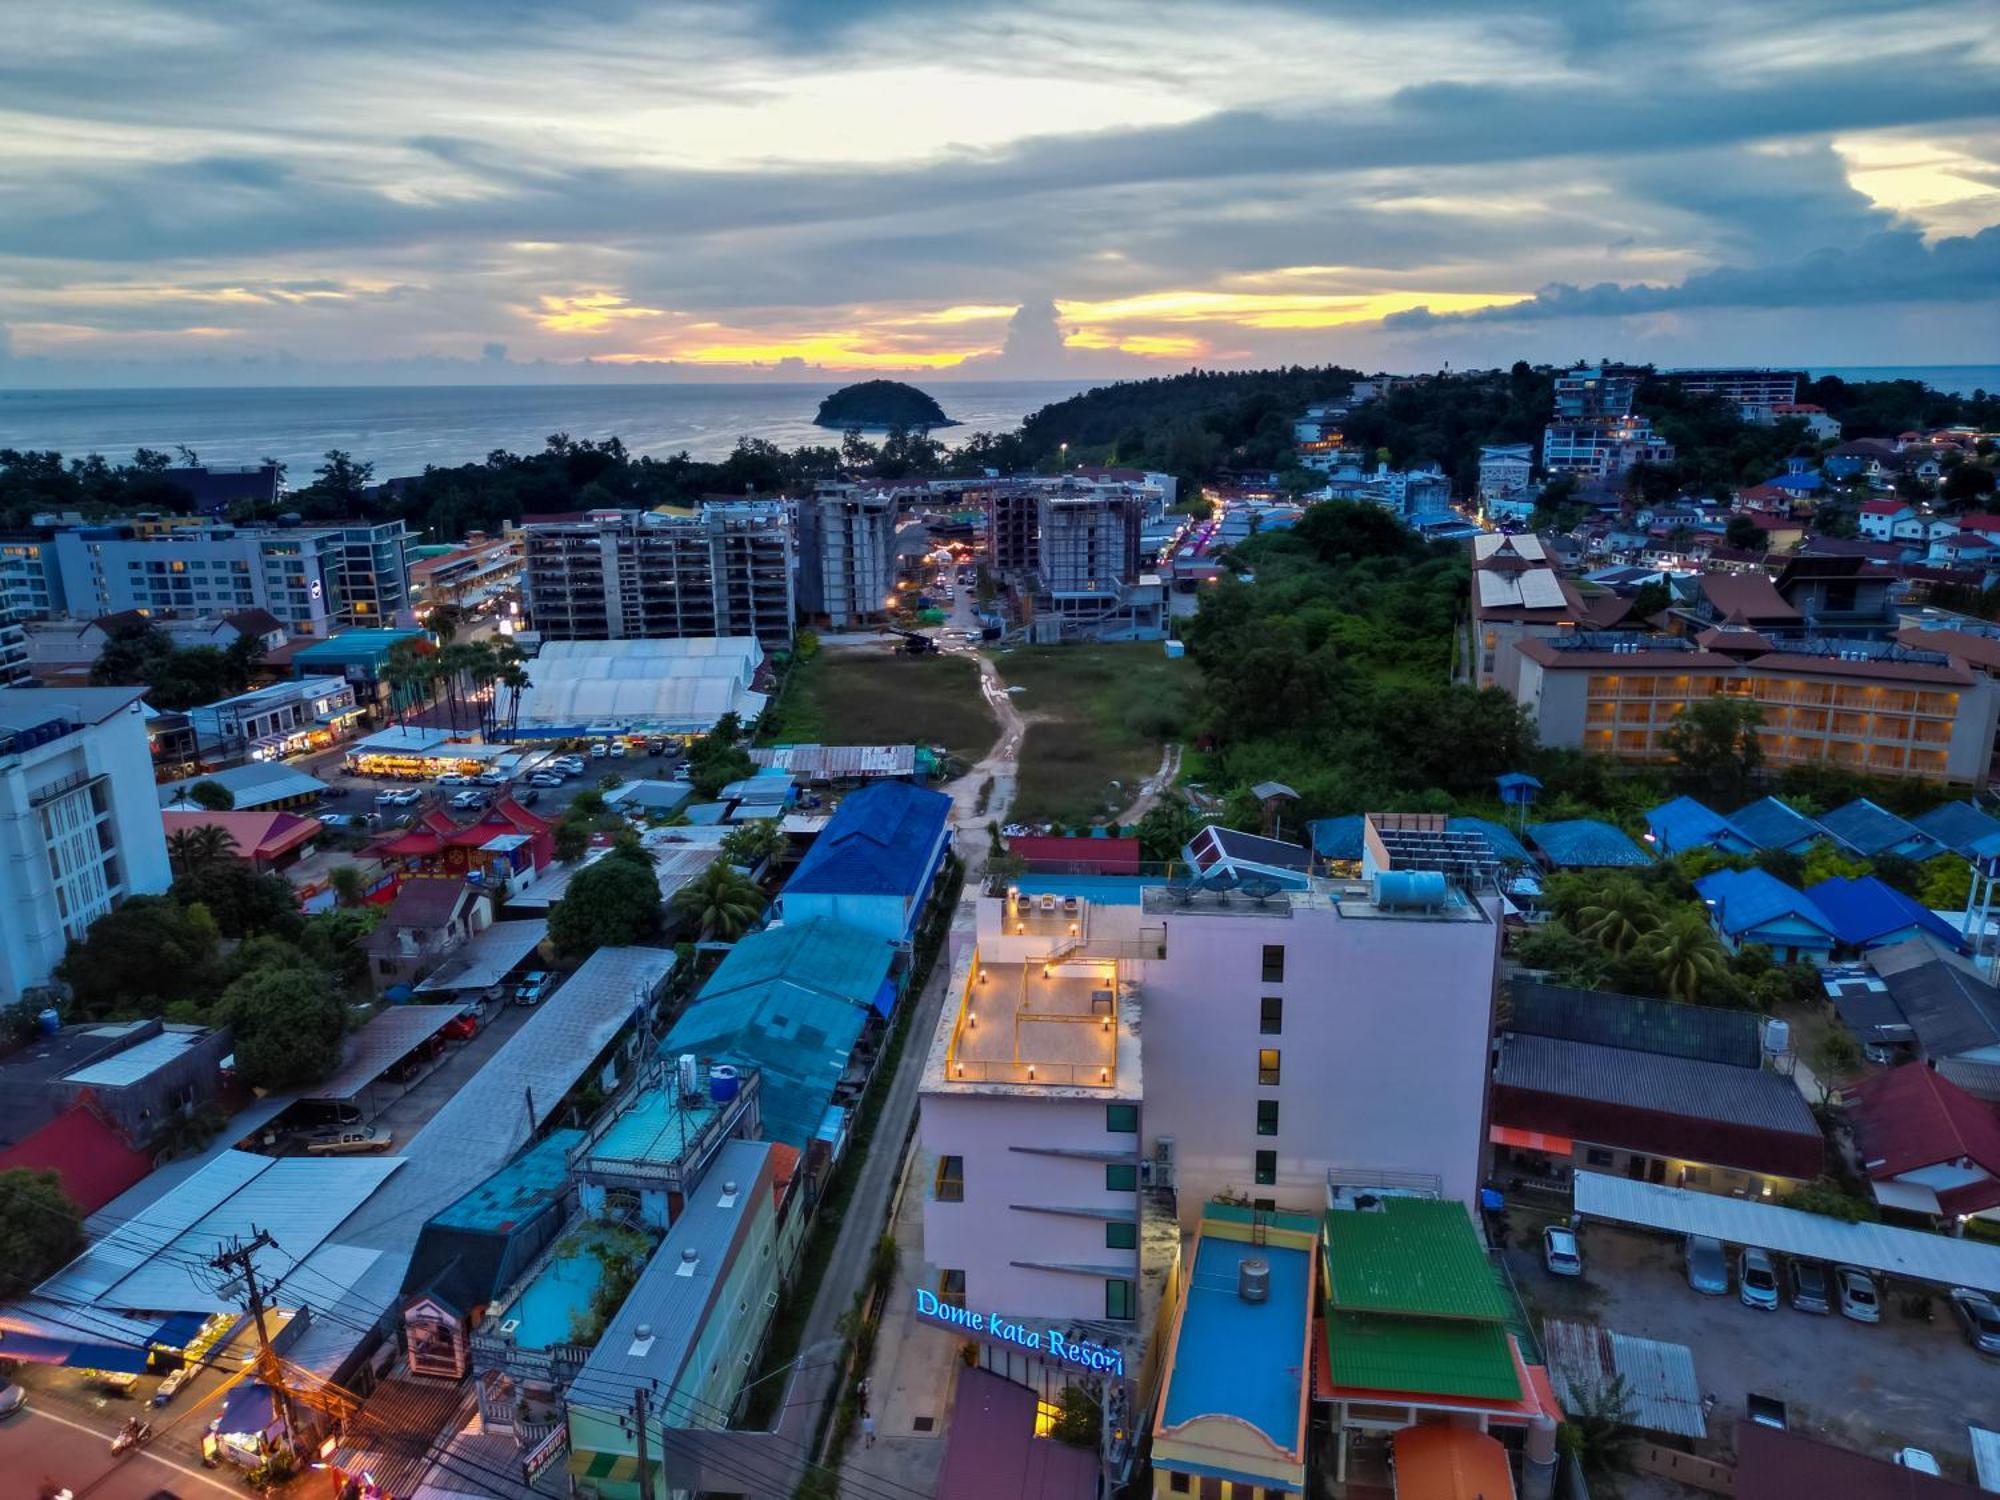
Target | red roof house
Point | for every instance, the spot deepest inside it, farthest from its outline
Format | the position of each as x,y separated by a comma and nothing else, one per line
1077,856
93,1161
265,839
441,846
1919,1134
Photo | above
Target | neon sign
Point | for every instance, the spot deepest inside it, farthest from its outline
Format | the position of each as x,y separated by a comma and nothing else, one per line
1103,1359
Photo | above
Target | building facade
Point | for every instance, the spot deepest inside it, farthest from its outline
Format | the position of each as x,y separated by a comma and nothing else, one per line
847,554
80,818
1504,471
1740,388
307,713
635,575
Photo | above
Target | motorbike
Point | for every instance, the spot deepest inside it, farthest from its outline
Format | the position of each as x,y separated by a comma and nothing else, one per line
131,1435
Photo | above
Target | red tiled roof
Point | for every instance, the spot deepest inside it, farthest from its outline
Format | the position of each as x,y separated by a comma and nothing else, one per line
92,1160
264,835
1910,1118
1884,507
1083,855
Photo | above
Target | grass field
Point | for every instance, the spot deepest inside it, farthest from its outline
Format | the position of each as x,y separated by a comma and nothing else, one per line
871,698
1097,714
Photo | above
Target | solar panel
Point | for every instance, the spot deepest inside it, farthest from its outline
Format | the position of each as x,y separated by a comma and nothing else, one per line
1496,589
1461,856
1541,589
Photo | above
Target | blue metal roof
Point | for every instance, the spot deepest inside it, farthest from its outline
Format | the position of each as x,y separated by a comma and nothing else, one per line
1499,838
1770,824
1957,826
518,1191
1586,843
1868,830
1684,824
879,842
1336,838
1744,900
1864,911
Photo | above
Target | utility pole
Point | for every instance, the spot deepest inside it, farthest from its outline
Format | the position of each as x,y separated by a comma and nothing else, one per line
645,1469
239,1257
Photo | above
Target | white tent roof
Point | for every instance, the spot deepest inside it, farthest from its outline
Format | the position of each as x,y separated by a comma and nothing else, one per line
664,686
1907,1253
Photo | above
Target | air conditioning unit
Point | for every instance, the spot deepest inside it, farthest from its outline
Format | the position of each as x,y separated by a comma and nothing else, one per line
1163,1150
1145,1174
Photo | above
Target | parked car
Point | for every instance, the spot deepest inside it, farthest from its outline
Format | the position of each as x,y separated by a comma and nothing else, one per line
1757,1279
1809,1288
528,797
681,772
469,800
454,778
545,779
1707,1269
1560,1253
599,750
1979,1316
390,798
171,1386
490,778
349,1142
618,750
1918,1461
462,1028
12,1399
1858,1297
533,988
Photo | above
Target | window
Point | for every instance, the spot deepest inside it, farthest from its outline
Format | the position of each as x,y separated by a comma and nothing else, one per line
1119,1235
1597,1157
1121,1177
1267,1065
1267,1117
1267,1168
1271,1015
1274,963
1211,1488
1118,1300
1121,1119
950,1187
1177,1483
951,1287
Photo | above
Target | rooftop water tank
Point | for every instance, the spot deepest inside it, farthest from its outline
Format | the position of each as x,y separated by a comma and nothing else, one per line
48,1022
1253,1280
1777,1037
722,1083
1404,890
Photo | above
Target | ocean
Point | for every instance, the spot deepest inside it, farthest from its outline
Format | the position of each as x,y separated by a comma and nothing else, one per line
404,429
1959,380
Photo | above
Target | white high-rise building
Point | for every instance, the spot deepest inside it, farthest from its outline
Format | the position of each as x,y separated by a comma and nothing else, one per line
79,821
847,554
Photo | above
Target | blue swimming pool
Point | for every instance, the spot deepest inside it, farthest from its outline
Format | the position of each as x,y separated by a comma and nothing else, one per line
549,1302
1110,890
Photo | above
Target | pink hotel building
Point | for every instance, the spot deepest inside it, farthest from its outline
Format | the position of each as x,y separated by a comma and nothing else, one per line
1104,1067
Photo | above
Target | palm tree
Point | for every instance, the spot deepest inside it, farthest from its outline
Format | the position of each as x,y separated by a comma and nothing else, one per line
752,844
1686,952
1622,914
407,671
513,677
721,901
194,849
452,664
348,886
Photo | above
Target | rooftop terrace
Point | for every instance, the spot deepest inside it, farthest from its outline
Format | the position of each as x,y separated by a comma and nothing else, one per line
1067,1024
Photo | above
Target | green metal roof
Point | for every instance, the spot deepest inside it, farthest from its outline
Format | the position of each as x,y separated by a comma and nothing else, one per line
821,957
369,646
1433,1356
1417,1256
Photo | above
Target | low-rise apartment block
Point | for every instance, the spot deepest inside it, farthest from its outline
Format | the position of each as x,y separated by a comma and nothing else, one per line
616,575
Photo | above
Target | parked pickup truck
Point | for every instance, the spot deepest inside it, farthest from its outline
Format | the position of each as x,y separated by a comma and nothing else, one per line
349,1142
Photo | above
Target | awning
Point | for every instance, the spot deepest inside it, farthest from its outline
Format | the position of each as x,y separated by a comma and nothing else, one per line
1531,1140
178,1330
39,1349
1911,1197
616,1468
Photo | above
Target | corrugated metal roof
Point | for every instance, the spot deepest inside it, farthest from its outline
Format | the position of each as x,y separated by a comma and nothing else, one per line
1986,1458
1586,843
820,955
490,957
1432,1356
1908,1253
1684,824
1863,910
1659,1377
1412,1255
659,685
123,1069
1707,1032
370,1052
1949,1007
1868,829
1770,824
880,842
1684,1086
152,1262
1744,900
255,785
839,762
1957,826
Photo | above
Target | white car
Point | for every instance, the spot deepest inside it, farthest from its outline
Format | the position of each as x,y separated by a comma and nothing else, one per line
545,779
1858,1297
12,1399
1560,1253
618,751
599,750
1757,1279
490,778
454,778
469,800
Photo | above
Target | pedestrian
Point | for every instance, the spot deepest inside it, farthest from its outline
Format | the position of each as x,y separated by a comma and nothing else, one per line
867,1430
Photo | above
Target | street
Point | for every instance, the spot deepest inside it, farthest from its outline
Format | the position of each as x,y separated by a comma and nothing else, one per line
42,1449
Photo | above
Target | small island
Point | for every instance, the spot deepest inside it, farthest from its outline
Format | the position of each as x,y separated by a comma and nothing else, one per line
881,406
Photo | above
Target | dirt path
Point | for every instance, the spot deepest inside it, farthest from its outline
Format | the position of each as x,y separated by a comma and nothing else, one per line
1154,786
1001,763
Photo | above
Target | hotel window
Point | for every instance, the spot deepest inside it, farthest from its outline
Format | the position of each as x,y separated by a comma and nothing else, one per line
1119,1301
1119,1235
1267,1117
1121,1177
1121,1119
1274,963
951,1286
950,1179
1271,1015
1267,1168
1267,1065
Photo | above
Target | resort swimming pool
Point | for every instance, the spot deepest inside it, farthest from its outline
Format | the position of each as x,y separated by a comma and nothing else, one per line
1107,890
549,1302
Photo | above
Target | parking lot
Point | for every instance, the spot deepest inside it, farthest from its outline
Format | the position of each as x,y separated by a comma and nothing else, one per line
351,794
1872,1387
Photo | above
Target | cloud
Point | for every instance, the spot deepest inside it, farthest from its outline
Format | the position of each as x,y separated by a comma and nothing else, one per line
493,352
1891,267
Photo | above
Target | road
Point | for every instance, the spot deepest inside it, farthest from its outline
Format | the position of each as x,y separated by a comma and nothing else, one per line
43,1448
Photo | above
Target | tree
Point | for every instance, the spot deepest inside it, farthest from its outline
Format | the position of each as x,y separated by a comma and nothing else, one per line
1166,827
1651,599
754,843
199,848
1079,1418
571,837
212,795
1715,744
721,902
288,1025
1967,484
1623,913
348,884
612,903
242,902
41,1230
141,956
1745,533
1686,954
1598,1431
713,764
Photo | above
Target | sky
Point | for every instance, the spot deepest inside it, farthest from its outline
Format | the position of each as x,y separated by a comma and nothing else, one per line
230,192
